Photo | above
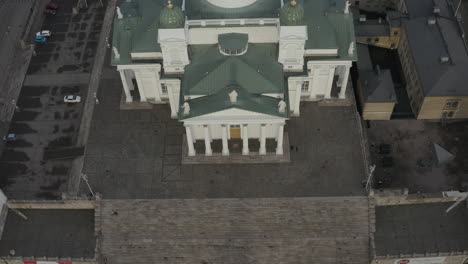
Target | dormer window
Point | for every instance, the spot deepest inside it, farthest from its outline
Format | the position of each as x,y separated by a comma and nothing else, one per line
233,44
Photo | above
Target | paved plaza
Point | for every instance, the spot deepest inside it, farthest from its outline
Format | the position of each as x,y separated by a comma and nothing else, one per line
327,230
137,154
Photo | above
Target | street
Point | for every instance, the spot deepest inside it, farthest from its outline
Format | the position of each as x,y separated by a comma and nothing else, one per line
42,120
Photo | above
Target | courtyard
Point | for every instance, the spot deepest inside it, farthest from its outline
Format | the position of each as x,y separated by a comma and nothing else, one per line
137,154
414,165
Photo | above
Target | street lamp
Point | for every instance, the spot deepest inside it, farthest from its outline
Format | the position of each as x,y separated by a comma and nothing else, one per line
85,178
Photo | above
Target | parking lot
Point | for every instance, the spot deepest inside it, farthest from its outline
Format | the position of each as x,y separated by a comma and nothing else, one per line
73,43
42,119
414,164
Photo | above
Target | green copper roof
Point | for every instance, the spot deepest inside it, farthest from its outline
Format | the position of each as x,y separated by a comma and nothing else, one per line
246,101
137,31
202,9
233,41
255,71
292,14
171,17
251,75
329,27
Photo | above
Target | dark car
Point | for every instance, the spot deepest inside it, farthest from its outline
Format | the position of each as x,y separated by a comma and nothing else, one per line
52,5
50,12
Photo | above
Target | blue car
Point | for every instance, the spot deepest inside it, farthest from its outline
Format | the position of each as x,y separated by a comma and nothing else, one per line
41,39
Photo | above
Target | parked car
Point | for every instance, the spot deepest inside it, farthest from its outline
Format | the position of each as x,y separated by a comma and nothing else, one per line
41,39
44,33
52,5
72,99
50,12
9,137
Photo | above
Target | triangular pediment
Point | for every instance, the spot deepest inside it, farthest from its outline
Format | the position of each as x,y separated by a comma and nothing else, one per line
233,113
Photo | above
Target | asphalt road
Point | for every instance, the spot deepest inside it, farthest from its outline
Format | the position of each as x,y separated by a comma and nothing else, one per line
42,120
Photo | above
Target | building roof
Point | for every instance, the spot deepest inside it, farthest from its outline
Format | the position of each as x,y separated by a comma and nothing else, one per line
376,85
220,101
372,29
232,231
233,41
292,14
171,17
203,9
255,71
137,31
420,229
328,27
214,75
428,43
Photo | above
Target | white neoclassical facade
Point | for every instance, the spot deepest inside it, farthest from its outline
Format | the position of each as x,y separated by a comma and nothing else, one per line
233,71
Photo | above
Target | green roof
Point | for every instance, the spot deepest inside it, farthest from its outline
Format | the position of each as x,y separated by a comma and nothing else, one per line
255,71
233,41
245,101
202,9
251,75
137,31
171,17
292,14
328,27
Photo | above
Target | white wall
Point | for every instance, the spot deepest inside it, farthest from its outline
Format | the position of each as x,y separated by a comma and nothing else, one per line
215,130
148,80
209,35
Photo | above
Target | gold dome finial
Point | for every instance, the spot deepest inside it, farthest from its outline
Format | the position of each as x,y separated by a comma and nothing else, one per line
293,3
169,4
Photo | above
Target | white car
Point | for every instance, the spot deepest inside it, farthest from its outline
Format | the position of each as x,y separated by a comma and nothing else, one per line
72,99
44,33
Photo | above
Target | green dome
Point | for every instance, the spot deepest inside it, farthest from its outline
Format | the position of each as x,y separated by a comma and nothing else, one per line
292,14
171,17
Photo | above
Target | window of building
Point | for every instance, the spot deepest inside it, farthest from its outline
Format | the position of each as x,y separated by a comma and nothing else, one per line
448,114
164,88
395,33
305,86
376,39
451,105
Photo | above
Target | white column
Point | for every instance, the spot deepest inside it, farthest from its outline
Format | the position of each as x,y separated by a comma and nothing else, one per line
297,104
279,147
313,85
245,140
128,96
130,74
344,83
157,92
172,104
262,139
191,148
331,75
225,141
208,150
141,88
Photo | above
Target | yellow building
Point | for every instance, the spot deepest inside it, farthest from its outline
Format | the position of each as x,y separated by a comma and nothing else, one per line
375,88
384,33
434,59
